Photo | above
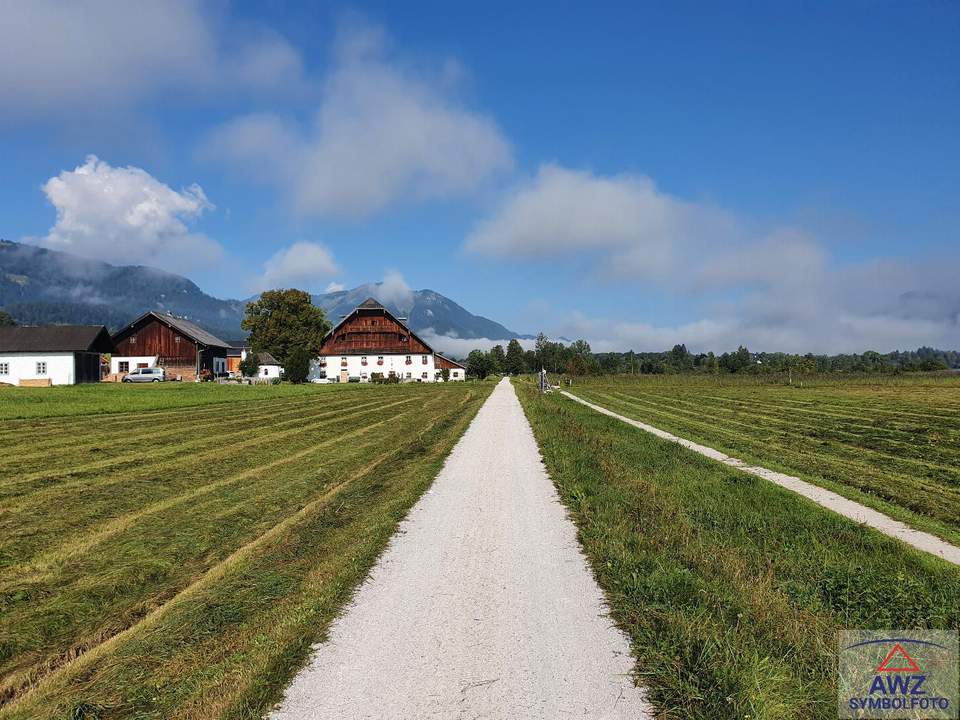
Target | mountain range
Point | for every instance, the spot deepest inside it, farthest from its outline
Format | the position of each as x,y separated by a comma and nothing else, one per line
40,286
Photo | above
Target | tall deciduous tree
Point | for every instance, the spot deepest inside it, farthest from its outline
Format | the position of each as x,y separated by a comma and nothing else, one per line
282,320
297,367
478,364
498,360
514,362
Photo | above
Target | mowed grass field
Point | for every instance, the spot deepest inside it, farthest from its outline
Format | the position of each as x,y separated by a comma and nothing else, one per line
731,589
179,560
891,444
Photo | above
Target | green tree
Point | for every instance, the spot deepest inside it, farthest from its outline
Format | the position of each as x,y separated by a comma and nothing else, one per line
498,360
6,320
297,367
445,374
282,320
478,364
249,366
514,363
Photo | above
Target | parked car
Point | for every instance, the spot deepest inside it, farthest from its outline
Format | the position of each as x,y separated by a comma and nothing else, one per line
148,374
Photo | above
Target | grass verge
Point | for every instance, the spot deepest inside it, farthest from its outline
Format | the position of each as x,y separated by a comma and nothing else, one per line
731,589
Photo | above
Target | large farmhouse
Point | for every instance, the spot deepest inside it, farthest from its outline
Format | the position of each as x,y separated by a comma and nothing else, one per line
52,354
154,339
372,340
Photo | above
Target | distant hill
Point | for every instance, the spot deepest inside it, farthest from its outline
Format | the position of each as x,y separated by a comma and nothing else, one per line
39,286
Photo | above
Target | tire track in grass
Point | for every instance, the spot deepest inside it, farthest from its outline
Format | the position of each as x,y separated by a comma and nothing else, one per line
788,423
15,689
858,476
947,470
825,498
71,547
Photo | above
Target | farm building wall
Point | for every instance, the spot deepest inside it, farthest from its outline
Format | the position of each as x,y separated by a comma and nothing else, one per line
372,332
153,338
419,367
60,367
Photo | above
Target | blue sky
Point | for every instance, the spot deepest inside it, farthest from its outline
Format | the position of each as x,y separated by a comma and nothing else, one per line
782,175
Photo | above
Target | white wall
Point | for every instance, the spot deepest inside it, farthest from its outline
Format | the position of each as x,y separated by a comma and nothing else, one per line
457,374
269,371
150,360
23,366
391,363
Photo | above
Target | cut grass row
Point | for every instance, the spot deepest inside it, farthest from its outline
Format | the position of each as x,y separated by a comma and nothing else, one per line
908,470
731,589
196,589
112,398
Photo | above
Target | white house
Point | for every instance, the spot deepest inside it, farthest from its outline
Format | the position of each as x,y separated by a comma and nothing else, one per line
267,365
372,340
52,354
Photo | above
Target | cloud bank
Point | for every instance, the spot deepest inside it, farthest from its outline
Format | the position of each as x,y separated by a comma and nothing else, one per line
773,288
383,132
123,215
96,56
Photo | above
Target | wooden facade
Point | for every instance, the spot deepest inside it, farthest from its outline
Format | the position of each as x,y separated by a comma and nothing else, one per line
372,331
182,348
152,337
445,362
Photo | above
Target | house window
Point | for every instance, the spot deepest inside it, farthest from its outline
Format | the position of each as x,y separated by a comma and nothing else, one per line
41,368
266,371
123,366
424,359
133,339
380,360
409,375
143,365
409,360
4,368
455,374
176,339
363,360
424,374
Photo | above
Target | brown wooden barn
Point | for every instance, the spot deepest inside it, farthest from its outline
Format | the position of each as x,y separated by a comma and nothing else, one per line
181,347
371,340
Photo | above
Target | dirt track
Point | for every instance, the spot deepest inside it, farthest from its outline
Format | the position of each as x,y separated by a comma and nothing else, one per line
481,607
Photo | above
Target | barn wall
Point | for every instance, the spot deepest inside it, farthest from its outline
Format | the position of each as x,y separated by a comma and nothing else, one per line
372,333
153,338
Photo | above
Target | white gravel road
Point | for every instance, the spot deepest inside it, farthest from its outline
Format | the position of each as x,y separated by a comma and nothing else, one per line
821,496
482,606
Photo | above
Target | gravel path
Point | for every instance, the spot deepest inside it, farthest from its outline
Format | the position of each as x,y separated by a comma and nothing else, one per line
826,498
481,607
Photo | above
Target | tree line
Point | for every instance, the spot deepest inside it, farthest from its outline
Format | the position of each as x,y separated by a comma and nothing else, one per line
577,359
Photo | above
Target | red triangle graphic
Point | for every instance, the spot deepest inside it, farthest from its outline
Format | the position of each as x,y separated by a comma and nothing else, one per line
897,649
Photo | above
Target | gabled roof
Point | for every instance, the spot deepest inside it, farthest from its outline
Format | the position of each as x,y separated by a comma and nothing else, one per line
372,304
444,359
55,338
265,358
184,327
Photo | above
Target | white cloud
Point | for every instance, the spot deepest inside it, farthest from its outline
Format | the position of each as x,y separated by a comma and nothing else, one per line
773,288
303,265
461,347
383,132
97,56
333,287
124,215
393,290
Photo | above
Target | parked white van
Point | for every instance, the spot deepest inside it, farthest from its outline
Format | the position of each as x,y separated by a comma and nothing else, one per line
150,374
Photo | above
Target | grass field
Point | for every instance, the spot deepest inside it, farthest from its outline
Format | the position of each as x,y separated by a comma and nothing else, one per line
731,589
179,561
892,444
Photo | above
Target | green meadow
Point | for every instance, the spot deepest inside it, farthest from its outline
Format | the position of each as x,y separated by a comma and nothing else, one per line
175,551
